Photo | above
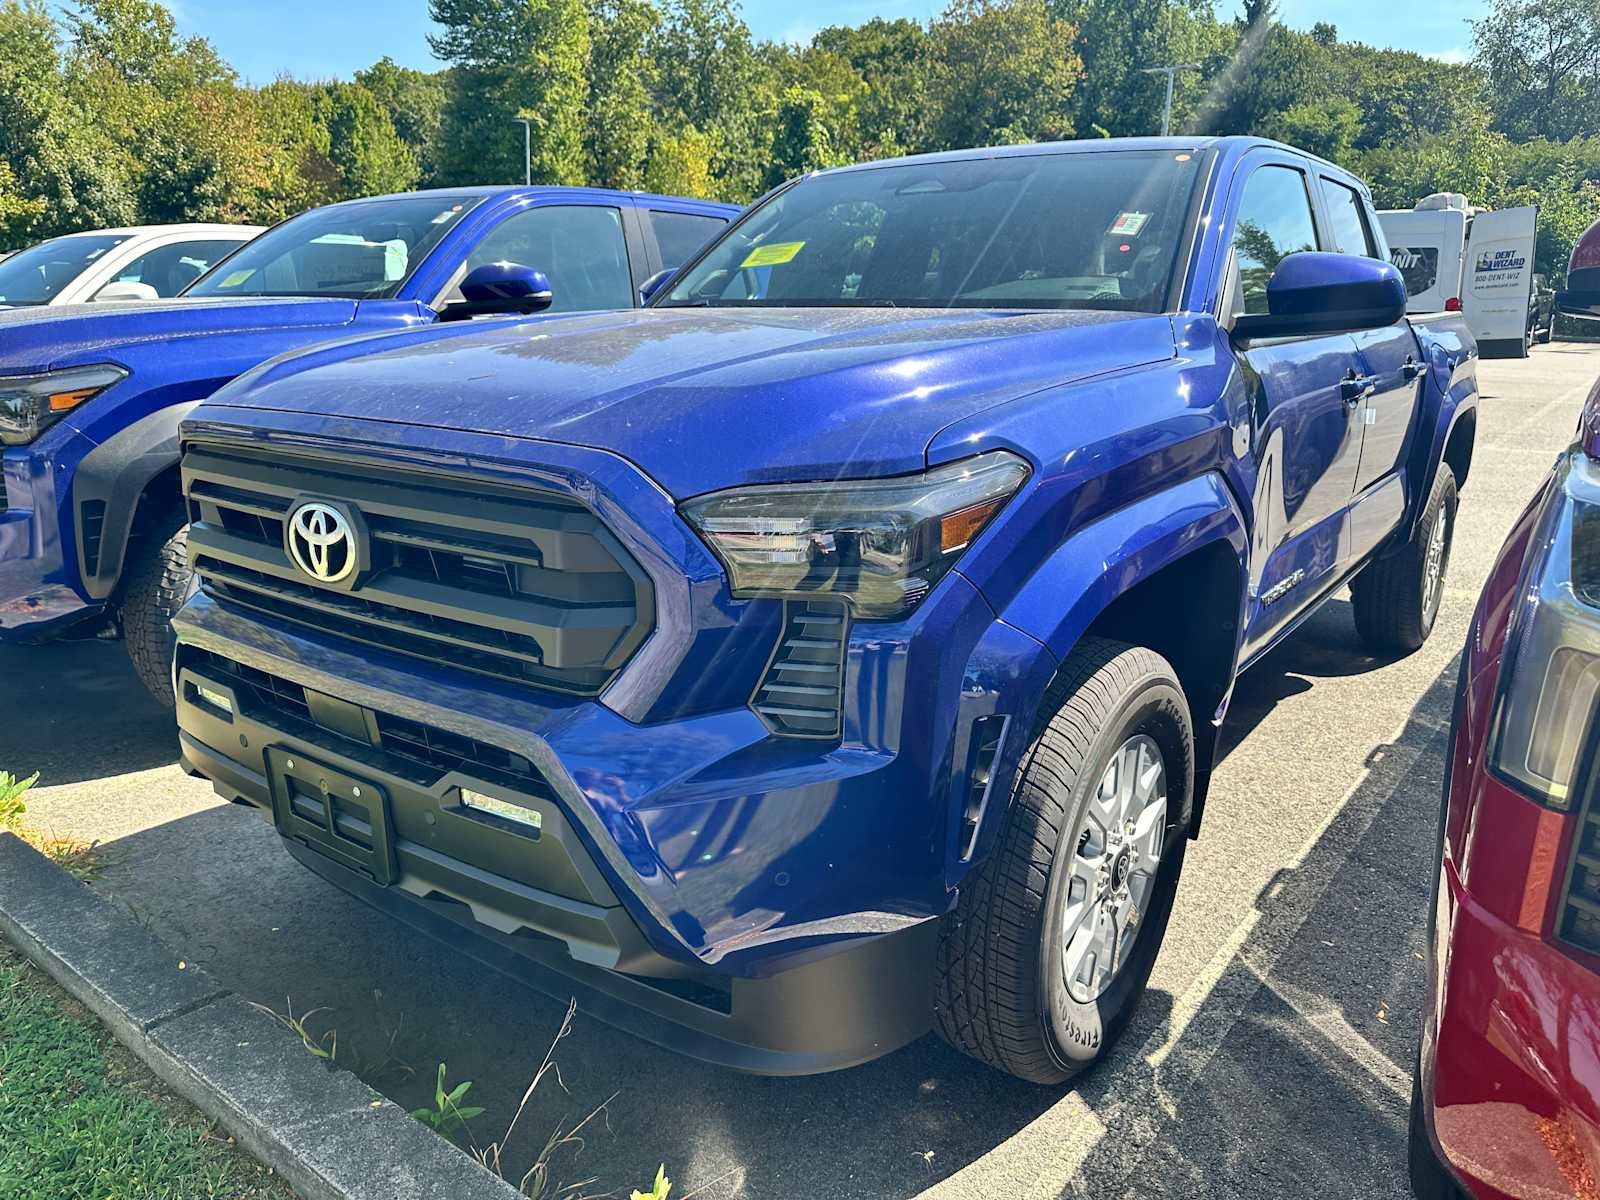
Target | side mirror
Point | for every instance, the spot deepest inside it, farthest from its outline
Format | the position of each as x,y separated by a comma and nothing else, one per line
1314,292
127,291
500,288
649,288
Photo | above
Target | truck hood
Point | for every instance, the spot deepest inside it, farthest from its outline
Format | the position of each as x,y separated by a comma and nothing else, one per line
39,338
704,398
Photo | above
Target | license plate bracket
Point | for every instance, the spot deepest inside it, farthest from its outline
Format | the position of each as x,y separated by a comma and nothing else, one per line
345,818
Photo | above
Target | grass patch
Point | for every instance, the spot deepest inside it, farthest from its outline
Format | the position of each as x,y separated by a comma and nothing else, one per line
82,1118
73,855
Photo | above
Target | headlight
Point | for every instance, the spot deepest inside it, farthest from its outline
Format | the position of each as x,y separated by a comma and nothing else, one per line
880,543
30,404
1550,679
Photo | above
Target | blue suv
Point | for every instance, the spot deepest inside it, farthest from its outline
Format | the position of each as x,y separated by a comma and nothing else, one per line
836,648
91,395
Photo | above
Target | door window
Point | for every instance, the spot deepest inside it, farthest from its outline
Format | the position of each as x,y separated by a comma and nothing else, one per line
679,236
1351,234
1274,221
580,248
170,269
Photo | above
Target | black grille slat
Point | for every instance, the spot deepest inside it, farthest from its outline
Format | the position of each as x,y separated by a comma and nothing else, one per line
507,581
1578,917
801,693
279,701
94,526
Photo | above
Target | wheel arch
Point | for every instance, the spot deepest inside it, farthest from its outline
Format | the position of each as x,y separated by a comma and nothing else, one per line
1167,572
118,489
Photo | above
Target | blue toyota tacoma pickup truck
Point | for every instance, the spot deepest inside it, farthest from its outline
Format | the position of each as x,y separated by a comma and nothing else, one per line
835,648
91,395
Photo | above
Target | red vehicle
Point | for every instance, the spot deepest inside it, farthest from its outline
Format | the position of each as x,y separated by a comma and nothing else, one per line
1506,1101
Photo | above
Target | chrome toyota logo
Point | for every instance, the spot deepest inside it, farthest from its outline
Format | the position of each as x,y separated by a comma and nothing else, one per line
321,542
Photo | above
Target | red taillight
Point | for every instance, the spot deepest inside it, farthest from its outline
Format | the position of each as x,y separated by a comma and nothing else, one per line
1453,304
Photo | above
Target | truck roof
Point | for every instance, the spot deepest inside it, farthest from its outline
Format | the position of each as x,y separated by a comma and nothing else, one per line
1234,145
502,191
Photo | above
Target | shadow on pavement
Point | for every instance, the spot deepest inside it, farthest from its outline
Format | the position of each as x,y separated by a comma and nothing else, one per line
74,711
1306,1091
1307,1085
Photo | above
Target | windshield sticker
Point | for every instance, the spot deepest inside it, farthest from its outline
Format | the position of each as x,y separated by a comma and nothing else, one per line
1129,224
446,215
238,277
773,255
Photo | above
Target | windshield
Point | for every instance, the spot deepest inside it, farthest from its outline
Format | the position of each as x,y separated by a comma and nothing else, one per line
36,275
357,251
1072,230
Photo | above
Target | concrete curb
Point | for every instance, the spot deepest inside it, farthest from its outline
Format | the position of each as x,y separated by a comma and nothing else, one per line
324,1131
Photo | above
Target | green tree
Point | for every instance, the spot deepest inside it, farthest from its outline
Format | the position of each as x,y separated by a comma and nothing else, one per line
679,164
368,155
1116,39
516,60
998,65
414,101
1542,62
889,58
621,78
1328,127
711,79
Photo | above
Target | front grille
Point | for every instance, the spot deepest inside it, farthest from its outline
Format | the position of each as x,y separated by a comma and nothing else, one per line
282,703
801,693
1578,919
510,582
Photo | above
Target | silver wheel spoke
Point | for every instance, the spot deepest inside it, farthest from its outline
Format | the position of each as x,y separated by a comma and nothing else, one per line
1112,873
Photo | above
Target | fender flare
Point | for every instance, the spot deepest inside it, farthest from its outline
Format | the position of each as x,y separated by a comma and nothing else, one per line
116,474
1107,558
1450,394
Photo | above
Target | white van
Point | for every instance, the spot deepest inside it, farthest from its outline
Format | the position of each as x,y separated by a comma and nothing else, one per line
1476,261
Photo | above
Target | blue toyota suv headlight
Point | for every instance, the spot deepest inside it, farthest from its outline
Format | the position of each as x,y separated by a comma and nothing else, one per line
880,543
30,404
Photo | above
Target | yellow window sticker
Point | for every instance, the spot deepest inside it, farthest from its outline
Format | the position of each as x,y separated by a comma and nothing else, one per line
773,255
237,278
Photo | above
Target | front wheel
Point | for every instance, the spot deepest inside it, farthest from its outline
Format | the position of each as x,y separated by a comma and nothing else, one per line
159,582
1054,936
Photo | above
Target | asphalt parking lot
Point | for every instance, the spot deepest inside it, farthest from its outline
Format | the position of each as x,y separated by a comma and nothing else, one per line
1271,1057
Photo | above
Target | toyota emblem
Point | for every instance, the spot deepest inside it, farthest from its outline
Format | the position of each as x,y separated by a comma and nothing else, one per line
321,542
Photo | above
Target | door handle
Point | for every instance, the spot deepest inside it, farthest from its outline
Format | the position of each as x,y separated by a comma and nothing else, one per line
1411,369
1356,388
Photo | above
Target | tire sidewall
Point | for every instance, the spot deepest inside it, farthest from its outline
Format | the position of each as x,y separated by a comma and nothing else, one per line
1076,1033
1442,507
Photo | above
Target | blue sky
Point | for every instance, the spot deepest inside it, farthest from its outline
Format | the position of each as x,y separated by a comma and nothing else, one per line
322,38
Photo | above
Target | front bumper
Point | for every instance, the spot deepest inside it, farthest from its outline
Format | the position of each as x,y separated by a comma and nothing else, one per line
1509,1055
37,596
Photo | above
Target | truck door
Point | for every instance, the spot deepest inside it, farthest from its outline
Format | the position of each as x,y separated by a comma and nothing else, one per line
1390,370
1306,437
1499,276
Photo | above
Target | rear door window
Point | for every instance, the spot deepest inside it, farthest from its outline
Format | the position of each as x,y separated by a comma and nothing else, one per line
580,248
679,236
1351,234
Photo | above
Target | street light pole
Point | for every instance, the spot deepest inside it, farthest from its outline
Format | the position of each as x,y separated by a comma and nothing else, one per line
1170,72
527,148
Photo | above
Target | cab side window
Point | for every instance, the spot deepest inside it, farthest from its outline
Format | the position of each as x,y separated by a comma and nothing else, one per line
170,269
1274,221
679,236
580,248
1351,233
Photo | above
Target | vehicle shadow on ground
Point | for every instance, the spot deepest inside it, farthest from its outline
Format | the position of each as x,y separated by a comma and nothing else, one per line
1307,1089
1280,1094
1325,646
74,712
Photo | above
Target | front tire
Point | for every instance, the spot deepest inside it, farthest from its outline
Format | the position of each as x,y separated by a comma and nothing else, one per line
1396,597
159,582
1053,939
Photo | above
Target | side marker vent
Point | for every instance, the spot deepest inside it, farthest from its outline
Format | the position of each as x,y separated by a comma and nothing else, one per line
801,693
988,735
